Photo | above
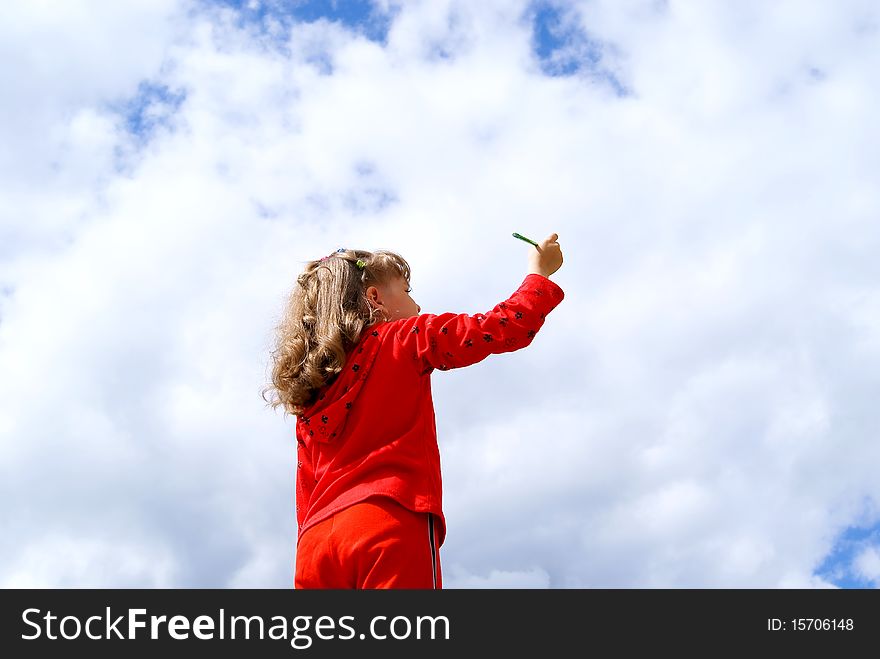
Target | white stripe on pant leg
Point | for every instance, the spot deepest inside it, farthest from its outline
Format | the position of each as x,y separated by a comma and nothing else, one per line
433,549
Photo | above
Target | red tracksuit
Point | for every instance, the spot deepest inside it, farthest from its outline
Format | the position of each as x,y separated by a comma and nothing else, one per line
371,435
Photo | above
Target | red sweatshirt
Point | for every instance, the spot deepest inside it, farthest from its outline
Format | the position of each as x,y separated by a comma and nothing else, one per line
372,431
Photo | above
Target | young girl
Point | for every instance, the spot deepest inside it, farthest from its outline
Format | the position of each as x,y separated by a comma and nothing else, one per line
353,362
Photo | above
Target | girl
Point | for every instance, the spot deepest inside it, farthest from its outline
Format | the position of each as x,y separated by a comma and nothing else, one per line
353,362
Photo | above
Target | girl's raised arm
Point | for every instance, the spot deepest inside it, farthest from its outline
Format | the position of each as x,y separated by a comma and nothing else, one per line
449,340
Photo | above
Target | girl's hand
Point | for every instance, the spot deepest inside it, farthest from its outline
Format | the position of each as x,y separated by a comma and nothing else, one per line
546,258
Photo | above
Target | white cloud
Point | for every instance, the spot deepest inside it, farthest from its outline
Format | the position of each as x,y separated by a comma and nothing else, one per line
531,578
699,411
867,565
78,560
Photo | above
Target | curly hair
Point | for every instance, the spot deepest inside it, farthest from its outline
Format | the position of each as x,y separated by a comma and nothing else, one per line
324,317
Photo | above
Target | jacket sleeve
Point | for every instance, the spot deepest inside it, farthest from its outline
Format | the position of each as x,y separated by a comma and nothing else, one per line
449,340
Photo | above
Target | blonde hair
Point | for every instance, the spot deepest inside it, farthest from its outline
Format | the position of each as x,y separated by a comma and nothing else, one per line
325,314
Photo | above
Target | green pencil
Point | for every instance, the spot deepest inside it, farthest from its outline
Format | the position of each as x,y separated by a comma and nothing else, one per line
516,235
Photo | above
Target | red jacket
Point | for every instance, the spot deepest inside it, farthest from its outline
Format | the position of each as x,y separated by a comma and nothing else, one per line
372,431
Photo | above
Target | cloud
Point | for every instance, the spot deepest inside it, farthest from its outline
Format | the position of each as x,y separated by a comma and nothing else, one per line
533,578
867,565
700,409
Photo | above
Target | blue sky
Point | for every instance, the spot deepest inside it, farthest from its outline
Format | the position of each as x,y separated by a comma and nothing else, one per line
850,544
362,16
703,399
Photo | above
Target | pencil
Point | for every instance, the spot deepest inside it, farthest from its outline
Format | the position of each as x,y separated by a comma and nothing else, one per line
516,235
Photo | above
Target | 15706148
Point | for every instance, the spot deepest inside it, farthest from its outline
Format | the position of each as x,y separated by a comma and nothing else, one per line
810,624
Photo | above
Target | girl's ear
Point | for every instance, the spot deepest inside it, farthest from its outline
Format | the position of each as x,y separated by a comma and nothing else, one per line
372,294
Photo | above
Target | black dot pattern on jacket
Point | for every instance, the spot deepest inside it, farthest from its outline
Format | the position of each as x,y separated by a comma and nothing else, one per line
487,338
356,368
531,333
519,315
324,418
348,406
375,333
469,343
444,330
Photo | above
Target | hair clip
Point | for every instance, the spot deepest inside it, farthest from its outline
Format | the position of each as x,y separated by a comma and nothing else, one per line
324,258
360,264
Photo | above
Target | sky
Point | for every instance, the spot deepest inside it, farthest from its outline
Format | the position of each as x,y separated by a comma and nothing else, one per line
699,411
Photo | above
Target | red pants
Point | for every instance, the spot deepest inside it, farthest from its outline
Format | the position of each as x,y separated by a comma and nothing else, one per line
374,544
